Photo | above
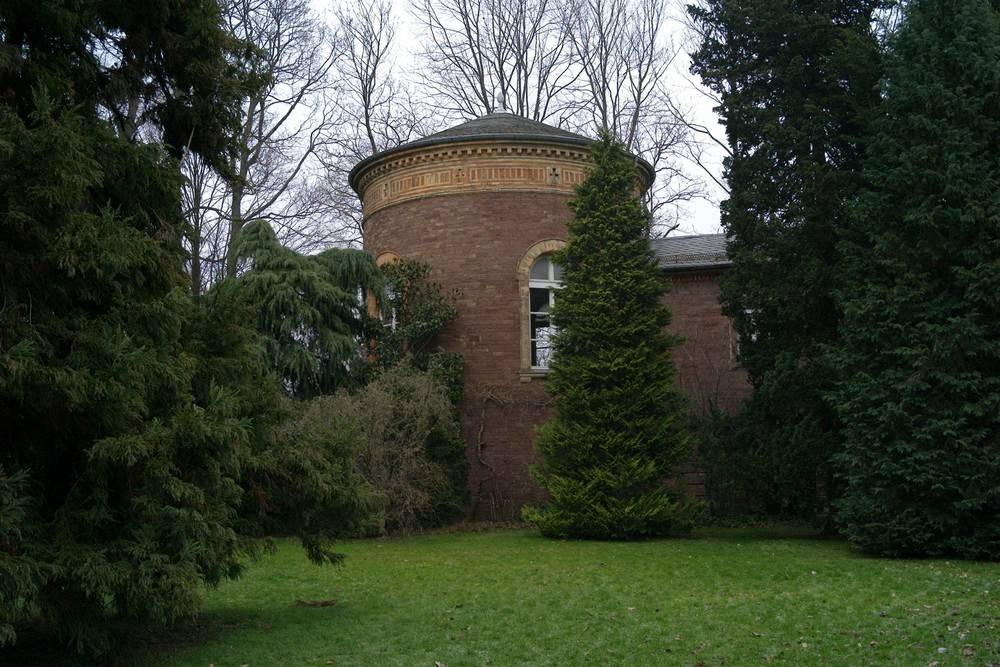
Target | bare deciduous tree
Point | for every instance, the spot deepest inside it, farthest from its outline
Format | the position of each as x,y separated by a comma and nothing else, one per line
377,109
376,101
709,142
206,233
479,51
590,65
625,57
324,103
288,61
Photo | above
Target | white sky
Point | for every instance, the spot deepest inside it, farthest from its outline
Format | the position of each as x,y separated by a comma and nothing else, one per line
699,216
702,214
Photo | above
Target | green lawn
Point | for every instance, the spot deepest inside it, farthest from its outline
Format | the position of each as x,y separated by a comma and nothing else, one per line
732,597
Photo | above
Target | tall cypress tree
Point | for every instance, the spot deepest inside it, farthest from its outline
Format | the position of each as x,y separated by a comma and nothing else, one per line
796,82
920,348
619,425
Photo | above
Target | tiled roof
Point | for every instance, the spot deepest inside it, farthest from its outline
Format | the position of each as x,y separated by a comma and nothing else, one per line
689,253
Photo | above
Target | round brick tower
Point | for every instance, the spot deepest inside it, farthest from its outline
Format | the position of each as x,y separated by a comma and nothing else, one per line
484,204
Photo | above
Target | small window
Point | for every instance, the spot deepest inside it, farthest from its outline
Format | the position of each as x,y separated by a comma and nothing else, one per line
544,280
390,320
537,280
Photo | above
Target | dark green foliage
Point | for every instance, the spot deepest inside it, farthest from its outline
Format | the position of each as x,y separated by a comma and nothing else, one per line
747,475
796,82
296,472
620,426
417,309
307,482
161,64
386,420
111,404
310,308
411,451
21,574
920,351
131,415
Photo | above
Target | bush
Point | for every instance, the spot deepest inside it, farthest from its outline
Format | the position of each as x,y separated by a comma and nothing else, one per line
753,470
305,483
417,309
409,449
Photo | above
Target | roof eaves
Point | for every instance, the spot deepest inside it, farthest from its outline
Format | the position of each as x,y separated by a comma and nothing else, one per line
694,267
692,253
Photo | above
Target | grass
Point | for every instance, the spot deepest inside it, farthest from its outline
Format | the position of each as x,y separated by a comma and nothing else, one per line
727,597
733,597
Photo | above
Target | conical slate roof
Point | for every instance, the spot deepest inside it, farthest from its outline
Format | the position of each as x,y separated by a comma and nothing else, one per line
502,126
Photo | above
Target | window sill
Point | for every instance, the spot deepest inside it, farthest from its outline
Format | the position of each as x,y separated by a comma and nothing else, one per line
534,374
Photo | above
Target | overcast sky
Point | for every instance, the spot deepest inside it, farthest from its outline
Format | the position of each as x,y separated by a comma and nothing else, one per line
700,216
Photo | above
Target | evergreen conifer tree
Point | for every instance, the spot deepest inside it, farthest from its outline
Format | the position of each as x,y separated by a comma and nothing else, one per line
620,425
920,350
139,439
127,424
796,82
310,308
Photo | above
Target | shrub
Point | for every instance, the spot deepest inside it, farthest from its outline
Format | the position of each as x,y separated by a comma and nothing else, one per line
306,482
756,471
416,311
409,449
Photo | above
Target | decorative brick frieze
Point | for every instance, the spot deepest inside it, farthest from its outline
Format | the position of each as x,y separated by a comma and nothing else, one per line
471,167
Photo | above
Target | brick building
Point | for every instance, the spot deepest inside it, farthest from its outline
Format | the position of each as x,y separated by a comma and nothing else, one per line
484,204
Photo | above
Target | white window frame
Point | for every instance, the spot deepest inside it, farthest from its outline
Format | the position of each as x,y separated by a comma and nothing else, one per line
525,283
550,284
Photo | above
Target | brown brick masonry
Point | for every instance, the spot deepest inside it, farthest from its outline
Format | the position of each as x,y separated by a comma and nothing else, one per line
471,213
474,242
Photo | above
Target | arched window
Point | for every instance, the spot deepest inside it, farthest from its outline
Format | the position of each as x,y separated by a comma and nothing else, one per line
538,279
388,318
543,281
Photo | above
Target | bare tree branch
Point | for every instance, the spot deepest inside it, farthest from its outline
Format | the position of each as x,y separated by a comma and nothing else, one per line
285,122
624,58
478,52
376,109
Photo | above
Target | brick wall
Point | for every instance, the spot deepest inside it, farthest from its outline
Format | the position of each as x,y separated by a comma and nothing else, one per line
474,242
705,360
706,363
